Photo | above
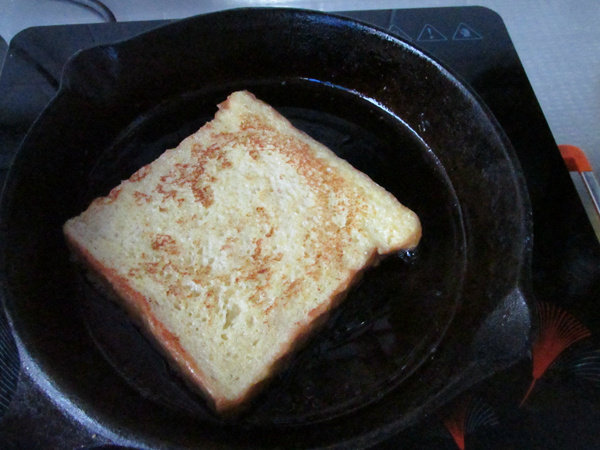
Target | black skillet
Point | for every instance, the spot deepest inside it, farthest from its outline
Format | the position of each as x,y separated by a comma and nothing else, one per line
418,330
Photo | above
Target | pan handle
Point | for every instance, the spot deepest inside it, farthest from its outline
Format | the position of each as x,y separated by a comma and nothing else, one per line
92,74
502,341
504,337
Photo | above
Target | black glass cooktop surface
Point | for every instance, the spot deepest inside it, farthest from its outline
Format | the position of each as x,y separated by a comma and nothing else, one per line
549,399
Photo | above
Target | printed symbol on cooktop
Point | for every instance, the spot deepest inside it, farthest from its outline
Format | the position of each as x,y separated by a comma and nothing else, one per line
465,415
557,331
430,34
399,32
465,33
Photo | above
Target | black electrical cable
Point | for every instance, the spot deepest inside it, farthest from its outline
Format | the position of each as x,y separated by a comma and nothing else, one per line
97,7
109,14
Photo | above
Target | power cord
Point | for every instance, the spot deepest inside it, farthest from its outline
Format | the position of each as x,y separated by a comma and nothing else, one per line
97,7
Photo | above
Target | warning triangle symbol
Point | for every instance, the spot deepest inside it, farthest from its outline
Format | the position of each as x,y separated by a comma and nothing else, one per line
399,32
430,34
465,33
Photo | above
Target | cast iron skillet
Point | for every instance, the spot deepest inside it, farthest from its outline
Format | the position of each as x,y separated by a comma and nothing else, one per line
418,330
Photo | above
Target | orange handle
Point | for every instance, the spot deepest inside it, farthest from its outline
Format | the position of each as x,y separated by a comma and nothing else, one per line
576,161
575,158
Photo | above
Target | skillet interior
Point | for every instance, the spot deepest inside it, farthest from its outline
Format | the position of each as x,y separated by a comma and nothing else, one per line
445,159
374,341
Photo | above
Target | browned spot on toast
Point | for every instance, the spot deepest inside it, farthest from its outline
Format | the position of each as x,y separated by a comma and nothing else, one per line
141,197
203,194
170,193
165,243
140,174
111,197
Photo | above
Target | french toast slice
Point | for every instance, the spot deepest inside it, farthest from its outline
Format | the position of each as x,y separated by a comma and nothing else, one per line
231,248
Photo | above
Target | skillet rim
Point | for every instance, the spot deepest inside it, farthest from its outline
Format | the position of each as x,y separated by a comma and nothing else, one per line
64,87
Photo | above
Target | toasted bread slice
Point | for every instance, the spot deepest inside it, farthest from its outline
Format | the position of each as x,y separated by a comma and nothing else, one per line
232,247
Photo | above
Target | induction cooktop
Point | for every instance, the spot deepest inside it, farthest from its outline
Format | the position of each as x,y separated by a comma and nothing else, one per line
548,399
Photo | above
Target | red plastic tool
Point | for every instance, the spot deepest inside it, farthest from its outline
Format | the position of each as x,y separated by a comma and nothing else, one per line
576,161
